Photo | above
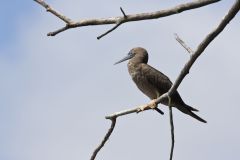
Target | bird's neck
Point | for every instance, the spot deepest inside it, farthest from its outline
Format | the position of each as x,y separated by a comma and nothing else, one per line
134,68
133,64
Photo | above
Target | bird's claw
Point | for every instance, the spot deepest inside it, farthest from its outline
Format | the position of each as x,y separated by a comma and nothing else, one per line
141,108
151,105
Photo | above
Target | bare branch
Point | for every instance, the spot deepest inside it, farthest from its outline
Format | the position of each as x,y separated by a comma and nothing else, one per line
122,19
125,112
110,30
183,44
106,137
203,45
123,12
172,126
58,31
54,12
172,132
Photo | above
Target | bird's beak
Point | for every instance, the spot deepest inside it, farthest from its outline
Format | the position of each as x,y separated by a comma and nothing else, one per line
129,56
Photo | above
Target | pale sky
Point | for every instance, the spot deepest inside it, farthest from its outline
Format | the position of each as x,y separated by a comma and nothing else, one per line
56,91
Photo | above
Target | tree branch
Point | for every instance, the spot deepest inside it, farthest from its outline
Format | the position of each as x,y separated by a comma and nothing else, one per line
172,132
124,14
201,47
183,44
172,127
124,112
116,26
122,19
106,137
110,30
54,12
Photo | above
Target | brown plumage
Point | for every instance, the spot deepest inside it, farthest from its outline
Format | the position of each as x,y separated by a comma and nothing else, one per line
152,82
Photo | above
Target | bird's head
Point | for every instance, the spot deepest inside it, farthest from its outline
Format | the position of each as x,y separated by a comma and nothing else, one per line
136,55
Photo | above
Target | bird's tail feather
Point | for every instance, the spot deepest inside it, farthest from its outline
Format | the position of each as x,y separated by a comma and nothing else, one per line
191,108
197,117
188,110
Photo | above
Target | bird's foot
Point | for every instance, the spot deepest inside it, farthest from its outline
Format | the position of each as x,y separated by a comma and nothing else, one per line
151,105
142,108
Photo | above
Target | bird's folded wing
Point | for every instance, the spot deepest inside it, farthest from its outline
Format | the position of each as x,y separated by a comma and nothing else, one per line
156,78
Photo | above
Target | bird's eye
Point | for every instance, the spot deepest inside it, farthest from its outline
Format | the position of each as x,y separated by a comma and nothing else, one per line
130,53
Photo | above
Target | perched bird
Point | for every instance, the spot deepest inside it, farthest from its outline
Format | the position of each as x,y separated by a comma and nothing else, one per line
153,83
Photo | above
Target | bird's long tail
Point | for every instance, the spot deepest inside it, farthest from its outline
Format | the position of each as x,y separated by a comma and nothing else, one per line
188,110
191,108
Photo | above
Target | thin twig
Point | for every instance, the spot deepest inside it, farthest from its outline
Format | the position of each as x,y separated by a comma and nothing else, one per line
110,30
122,19
123,12
58,31
201,47
106,137
183,44
172,132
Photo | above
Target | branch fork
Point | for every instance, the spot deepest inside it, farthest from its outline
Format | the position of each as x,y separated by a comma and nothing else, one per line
117,21
147,16
194,55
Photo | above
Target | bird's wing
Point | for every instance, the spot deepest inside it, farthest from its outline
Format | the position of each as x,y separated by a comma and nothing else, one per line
162,82
156,78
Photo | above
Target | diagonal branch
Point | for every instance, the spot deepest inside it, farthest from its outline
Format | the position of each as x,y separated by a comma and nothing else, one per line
110,30
106,137
122,19
201,47
183,44
124,14
54,12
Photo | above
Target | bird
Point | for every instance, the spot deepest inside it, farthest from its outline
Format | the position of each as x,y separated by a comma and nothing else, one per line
154,83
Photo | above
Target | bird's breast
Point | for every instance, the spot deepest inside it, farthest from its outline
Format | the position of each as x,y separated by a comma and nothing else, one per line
142,82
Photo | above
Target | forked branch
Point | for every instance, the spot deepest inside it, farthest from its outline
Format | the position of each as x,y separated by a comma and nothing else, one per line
106,137
201,47
121,19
